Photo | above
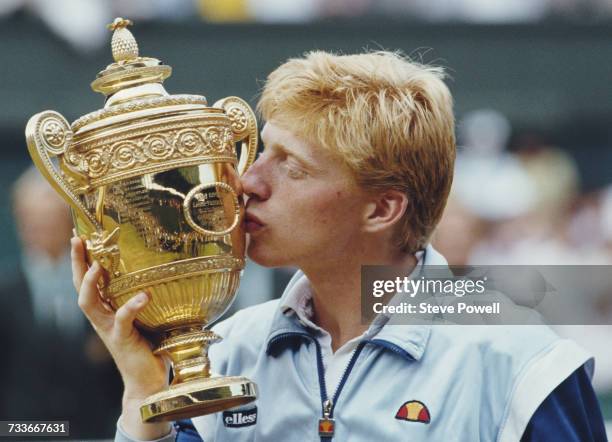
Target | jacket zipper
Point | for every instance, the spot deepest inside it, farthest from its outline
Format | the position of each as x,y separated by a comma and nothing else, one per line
327,422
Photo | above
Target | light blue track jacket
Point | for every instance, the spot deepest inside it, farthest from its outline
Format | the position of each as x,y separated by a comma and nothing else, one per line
441,383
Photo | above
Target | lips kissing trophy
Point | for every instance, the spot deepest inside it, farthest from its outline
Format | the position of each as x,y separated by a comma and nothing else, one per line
152,181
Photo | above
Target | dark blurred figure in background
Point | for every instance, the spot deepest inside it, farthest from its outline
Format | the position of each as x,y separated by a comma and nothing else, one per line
54,367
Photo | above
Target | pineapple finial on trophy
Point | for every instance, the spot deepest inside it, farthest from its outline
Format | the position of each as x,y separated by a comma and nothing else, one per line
123,43
129,70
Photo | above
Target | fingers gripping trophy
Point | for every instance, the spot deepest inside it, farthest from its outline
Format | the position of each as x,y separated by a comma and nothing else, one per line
152,180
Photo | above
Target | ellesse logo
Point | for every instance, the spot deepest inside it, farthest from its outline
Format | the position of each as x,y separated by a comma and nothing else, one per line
414,411
240,418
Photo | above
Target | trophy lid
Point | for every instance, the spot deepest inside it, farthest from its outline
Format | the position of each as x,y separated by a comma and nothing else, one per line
129,69
143,129
131,84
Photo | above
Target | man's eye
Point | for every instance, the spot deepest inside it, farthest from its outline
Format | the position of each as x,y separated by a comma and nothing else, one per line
296,174
293,172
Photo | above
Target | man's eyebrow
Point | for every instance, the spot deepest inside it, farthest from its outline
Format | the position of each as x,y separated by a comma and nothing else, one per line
300,158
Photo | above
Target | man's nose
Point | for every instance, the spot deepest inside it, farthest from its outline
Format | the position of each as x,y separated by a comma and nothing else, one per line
254,182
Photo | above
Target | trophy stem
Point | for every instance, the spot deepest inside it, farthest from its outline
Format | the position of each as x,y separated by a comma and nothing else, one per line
187,348
193,392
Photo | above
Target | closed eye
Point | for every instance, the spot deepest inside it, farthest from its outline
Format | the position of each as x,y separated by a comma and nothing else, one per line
293,171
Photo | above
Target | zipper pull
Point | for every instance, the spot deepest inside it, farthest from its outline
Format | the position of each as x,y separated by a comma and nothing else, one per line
326,423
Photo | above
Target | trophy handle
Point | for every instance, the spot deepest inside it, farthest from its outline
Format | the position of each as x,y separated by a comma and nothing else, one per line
48,134
244,129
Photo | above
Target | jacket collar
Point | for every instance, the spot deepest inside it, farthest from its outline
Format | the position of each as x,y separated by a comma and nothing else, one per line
408,341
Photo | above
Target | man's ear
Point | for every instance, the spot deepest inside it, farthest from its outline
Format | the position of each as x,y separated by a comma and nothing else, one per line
385,210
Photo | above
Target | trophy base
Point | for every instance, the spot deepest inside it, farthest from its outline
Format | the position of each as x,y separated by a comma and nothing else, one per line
198,397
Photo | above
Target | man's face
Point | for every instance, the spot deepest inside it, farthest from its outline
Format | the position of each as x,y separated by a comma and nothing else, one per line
304,208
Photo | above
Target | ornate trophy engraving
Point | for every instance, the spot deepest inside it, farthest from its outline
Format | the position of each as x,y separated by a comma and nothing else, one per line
152,180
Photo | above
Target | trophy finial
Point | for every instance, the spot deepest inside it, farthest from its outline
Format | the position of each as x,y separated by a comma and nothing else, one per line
123,43
129,69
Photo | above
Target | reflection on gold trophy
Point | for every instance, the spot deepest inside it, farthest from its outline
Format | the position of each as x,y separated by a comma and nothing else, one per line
152,181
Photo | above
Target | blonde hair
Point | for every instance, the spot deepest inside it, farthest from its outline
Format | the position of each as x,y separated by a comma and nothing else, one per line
390,120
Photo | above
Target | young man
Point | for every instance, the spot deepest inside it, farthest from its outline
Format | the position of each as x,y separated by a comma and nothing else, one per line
357,166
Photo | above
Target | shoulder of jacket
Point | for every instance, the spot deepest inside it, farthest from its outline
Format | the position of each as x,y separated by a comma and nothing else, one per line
251,323
499,348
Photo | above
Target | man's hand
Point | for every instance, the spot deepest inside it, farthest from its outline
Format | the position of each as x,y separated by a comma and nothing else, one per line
142,372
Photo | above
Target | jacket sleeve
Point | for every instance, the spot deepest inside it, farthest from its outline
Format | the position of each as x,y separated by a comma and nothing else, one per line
122,436
186,432
570,413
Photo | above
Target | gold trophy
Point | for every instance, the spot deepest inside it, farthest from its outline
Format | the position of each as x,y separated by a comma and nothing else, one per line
152,181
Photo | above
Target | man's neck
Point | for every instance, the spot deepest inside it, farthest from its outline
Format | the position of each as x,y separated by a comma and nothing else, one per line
337,294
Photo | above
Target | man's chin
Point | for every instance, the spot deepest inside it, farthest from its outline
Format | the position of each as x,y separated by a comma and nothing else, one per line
264,256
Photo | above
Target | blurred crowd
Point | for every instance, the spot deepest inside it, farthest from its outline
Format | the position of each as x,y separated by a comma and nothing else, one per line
54,365
81,22
525,206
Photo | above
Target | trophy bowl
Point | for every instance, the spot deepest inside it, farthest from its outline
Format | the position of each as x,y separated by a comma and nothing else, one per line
153,183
